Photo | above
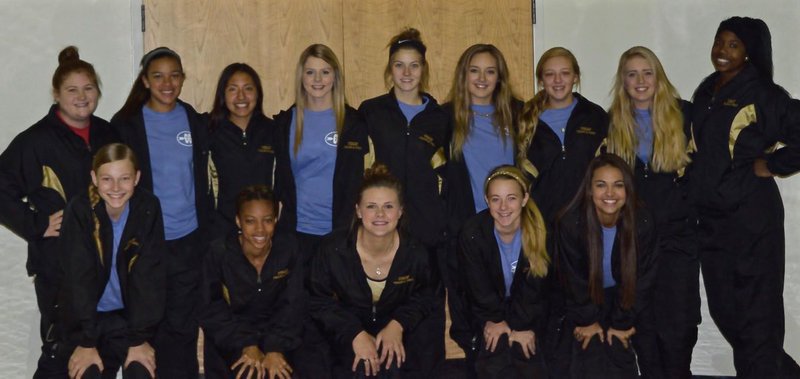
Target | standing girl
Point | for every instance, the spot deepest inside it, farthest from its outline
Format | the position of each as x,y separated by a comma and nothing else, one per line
251,290
42,169
482,111
170,139
560,132
740,116
407,131
371,287
504,262
320,148
113,292
605,254
407,128
241,142
650,130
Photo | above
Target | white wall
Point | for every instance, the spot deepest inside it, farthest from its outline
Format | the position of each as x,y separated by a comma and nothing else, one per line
33,32
681,32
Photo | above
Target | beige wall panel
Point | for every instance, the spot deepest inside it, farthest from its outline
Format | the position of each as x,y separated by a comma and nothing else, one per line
447,28
268,35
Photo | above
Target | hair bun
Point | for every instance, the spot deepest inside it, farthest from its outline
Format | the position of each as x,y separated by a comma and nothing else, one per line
68,54
378,170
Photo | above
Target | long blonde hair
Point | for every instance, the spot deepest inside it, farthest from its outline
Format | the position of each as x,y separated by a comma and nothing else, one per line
459,96
534,232
669,139
109,153
529,119
325,53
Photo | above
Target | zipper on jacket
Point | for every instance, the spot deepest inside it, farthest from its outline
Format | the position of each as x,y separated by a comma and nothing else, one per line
258,281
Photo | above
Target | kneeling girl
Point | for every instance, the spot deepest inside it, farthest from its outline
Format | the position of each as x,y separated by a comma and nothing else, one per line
504,263
113,292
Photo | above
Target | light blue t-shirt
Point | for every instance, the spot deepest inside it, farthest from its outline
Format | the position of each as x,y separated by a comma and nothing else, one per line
557,119
644,134
484,150
509,256
313,168
169,140
411,111
111,300
608,245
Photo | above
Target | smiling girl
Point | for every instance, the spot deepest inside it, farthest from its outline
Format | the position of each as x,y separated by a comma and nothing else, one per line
114,289
241,142
251,293
320,144
650,130
42,169
170,139
746,129
370,287
605,254
504,263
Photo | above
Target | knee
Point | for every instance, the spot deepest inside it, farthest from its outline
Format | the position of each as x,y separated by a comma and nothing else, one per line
136,370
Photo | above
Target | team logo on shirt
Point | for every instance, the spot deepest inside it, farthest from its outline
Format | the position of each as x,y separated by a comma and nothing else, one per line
184,138
332,139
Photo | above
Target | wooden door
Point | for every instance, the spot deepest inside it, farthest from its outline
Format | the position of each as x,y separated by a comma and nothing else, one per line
447,27
270,35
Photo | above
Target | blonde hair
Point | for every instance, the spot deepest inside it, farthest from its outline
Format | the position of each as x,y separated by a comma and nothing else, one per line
408,39
529,119
669,139
300,96
109,153
534,232
459,96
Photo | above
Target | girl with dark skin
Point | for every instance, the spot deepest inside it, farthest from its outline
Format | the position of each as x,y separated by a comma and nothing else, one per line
740,117
251,291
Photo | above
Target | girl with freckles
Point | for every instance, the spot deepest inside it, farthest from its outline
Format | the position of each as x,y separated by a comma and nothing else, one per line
371,287
605,258
114,267
504,262
251,294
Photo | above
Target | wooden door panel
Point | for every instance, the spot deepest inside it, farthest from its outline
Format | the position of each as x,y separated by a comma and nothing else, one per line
268,35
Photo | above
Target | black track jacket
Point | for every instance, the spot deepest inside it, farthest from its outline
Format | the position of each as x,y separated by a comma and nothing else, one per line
140,266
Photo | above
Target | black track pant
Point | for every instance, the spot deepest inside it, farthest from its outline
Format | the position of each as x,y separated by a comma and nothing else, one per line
742,258
176,338
676,306
112,347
